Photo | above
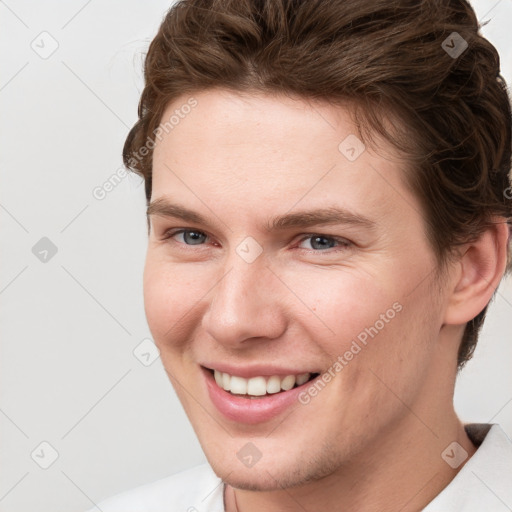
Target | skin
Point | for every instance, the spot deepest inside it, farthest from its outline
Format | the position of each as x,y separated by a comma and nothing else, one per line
372,439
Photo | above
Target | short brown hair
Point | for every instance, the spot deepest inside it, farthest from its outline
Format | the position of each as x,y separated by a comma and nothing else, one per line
386,58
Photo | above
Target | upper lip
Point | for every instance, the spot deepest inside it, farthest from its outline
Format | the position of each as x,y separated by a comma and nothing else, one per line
256,370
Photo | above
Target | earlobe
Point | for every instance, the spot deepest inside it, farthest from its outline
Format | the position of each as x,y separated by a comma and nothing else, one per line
480,269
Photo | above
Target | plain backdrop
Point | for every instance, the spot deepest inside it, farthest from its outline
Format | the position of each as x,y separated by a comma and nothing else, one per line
77,393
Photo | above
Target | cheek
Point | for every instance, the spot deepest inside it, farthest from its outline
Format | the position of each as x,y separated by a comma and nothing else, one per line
341,304
396,342
170,292
367,318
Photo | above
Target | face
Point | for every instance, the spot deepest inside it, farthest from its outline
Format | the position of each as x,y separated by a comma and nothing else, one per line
239,278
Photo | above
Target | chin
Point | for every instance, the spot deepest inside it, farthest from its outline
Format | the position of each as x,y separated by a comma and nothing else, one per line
272,475
248,485
258,481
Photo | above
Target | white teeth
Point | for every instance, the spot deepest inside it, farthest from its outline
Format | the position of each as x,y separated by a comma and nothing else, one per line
258,386
238,385
288,382
273,384
226,381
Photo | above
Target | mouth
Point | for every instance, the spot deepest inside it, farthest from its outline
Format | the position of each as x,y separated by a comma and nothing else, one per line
263,393
260,386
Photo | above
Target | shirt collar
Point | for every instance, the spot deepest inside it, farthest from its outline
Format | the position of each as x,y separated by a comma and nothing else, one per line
484,482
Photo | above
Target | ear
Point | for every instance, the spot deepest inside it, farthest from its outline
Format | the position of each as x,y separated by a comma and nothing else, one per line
479,271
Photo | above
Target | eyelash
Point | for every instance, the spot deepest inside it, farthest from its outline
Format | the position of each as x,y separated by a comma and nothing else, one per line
343,243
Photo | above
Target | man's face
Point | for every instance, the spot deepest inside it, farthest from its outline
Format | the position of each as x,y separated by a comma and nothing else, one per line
235,294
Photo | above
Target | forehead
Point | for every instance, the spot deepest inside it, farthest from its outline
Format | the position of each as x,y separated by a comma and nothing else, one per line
226,125
252,153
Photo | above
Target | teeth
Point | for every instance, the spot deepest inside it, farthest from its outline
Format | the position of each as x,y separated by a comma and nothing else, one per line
258,386
288,382
226,380
274,384
238,385
302,378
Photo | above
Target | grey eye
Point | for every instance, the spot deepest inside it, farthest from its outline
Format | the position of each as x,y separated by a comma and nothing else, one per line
192,237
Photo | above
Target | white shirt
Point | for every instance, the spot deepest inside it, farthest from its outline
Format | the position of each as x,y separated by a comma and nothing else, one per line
484,484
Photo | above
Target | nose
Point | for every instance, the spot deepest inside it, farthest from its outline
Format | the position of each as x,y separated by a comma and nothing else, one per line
246,303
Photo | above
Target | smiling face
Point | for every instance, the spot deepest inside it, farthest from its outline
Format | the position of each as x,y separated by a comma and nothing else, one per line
247,284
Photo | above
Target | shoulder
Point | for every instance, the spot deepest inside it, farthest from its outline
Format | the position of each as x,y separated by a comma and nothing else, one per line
197,489
483,483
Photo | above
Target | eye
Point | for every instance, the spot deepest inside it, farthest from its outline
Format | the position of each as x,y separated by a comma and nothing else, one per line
190,236
320,242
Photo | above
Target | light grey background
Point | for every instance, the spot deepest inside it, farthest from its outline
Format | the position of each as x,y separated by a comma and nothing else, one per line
68,373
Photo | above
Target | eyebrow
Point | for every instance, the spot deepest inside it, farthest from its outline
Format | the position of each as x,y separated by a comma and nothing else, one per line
302,219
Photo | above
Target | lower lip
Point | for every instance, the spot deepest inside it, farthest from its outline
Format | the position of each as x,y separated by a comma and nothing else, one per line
251,411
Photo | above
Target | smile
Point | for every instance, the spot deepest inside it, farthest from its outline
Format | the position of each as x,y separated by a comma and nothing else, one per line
259,386
241,404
